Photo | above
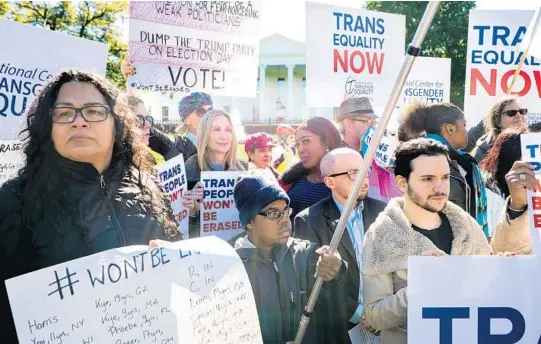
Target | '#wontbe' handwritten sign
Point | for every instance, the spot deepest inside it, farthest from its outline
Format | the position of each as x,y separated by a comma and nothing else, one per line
219,214
531,152
193,291
173,180
11,159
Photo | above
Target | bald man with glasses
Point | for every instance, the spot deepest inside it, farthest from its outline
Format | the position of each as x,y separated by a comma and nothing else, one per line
318,223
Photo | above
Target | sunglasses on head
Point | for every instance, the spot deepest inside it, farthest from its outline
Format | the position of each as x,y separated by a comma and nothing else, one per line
142,119
513,113
202,111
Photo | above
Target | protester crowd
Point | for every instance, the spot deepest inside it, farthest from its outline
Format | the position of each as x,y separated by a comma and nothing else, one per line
89,185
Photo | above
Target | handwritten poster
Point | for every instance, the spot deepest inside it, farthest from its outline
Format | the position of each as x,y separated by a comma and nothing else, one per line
193,291
172,176
12,159
531,153
219,214
351,53
185,46
26,68
473,300
494,40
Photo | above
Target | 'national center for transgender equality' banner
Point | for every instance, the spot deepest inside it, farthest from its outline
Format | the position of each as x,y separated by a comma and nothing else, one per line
494,41
474,300
30,57
351,53
183,46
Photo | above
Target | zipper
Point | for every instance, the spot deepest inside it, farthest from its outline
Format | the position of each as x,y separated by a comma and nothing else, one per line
115,218
279,298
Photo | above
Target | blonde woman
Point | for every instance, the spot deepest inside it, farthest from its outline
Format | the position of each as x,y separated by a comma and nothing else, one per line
216,151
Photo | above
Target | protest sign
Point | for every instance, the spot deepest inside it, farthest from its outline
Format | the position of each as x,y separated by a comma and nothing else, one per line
531,153
219,214
494,39
429,80
474,300
12,159
351,53
26,68
385,154
193,291
172,176
183,46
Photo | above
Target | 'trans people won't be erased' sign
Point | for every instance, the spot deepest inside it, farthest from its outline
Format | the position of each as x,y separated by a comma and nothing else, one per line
531,153
194,291
172,176
219,214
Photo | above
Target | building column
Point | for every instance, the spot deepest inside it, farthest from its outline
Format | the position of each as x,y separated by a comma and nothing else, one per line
290,83
262,85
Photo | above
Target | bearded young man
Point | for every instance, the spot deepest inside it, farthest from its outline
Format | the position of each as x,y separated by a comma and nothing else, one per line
423,222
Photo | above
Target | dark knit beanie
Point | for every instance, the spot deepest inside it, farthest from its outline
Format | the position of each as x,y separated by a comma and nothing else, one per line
253,193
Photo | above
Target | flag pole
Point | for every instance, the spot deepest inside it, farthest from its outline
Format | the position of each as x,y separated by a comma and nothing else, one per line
413,51
536,19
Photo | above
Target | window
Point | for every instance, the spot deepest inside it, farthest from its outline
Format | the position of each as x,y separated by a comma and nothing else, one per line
165,113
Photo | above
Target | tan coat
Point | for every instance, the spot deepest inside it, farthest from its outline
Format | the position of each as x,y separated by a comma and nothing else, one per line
512,235
388,244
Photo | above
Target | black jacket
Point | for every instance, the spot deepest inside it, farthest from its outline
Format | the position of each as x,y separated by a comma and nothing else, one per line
317,224
463,191
282,285
96,213
162,144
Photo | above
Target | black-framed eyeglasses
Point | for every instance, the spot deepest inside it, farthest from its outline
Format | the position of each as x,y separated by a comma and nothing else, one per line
274,214
141,120
513,113
91,113
351,174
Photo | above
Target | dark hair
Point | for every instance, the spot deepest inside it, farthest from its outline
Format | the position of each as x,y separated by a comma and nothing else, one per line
420,118
325,129
43,189
412,149
501,157
494,119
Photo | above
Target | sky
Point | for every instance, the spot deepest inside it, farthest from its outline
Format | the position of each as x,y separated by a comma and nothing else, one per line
287,16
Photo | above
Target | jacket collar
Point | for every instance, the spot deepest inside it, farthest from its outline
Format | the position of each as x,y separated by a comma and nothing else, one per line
333,217
248,251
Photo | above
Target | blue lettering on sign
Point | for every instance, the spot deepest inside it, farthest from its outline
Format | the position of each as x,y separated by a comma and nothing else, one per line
484,315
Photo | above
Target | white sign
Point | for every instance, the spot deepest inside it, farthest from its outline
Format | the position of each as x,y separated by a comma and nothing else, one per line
531,152
351,53
26,67
184,46
474,300
385,153
494,39
12,159
219,214
172,176
429,80
196,291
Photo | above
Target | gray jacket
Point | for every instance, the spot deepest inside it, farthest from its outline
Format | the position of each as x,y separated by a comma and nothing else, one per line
282,284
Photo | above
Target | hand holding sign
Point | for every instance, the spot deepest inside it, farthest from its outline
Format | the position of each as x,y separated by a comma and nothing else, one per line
126,68
519,179
192,199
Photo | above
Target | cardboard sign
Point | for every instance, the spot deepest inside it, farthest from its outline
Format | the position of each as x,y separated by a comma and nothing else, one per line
194,291
183,46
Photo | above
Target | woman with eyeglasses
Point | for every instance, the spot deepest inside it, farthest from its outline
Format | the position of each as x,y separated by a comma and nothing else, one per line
191,108
217,151
87,185
446,123
507,112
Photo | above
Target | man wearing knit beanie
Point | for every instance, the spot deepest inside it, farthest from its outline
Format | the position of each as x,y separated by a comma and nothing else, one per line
281,269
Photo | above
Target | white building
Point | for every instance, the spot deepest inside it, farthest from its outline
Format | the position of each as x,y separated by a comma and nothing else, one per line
281,97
